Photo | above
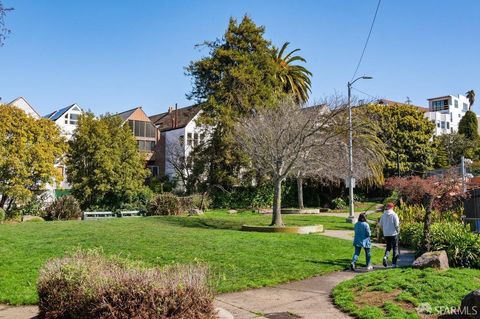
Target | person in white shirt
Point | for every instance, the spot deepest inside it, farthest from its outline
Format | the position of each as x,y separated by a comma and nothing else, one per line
391,229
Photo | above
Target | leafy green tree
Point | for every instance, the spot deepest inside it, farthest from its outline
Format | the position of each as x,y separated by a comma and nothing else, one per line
407,135
468,125
29,149
453,146
237,77
295,78
104,166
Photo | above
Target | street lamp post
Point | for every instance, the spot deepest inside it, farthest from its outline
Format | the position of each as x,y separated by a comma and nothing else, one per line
351,180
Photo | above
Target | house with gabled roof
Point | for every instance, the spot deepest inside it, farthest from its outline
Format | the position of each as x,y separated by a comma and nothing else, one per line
146,134
66,118
22,103
179,134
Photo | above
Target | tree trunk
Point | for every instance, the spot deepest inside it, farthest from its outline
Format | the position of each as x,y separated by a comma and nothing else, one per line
427,222
300,192
277,205
3,200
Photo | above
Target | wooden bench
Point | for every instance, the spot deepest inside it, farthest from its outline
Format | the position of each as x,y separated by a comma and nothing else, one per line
97,215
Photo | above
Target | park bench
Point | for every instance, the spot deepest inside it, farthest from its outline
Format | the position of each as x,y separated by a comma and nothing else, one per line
97,215
129,213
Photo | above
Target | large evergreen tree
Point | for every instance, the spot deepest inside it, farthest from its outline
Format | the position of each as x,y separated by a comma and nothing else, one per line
468,125
238,76
408,137
104,165
29,149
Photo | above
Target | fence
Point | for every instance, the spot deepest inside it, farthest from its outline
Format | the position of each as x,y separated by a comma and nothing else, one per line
472,209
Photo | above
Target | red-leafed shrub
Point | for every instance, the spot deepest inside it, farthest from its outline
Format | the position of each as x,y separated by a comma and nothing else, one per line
88,285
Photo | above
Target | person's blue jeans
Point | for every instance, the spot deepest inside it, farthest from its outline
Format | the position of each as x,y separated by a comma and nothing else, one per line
357,253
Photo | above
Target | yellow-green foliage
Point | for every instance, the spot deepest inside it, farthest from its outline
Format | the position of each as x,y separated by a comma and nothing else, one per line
29,148
104,164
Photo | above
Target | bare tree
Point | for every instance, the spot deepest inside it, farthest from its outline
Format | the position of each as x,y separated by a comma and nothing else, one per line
177,158
4,31
293,141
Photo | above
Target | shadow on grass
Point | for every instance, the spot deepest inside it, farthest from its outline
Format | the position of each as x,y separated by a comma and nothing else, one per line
206,223
345,262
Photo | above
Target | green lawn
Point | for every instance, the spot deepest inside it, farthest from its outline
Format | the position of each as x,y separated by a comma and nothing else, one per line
395,293
238,260
359,207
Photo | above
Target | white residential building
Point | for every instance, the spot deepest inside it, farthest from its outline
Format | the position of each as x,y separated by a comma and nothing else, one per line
67,120
180,133
22,104
446,112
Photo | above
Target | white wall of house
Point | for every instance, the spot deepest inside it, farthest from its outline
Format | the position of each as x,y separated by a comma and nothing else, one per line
187,138
446,112
22,104
69,120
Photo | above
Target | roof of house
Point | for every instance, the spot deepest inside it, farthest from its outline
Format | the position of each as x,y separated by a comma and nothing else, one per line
55,115
175,119
126,114
390,102
25,100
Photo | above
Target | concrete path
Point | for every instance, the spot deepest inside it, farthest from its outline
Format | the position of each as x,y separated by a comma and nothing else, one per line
405,259
23,312
309,299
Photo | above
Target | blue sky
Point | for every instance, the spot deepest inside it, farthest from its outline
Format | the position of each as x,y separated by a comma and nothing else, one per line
112,55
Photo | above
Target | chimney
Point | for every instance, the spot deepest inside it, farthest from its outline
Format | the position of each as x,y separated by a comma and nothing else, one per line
176,115
170,109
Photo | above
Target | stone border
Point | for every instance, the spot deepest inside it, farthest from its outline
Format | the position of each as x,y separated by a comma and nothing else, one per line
289,229
291,211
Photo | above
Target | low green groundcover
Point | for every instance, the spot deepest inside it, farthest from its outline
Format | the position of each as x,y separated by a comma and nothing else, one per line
399,293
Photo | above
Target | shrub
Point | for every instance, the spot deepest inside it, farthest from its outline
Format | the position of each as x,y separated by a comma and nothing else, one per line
165,204
195,202
2,215
393,198
339,203
140,201
63,208
416,214
461,245
34,219
87,285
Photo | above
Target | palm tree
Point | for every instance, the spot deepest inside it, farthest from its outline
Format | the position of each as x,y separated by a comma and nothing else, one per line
295,78
471,98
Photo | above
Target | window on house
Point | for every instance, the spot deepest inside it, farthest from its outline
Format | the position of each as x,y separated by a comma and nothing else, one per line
76,109
181,139
155,170
465,107
131,124
440,105
456,104
195,139
448,125
150,130
189,139
139,128
66,118
438,124
74,119
442,124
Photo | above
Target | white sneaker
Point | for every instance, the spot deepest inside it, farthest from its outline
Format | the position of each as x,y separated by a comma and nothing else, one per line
369,267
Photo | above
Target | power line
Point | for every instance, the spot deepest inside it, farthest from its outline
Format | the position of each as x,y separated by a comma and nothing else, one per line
366,42
374,97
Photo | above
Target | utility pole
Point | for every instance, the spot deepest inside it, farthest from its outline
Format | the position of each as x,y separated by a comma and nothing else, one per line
351,180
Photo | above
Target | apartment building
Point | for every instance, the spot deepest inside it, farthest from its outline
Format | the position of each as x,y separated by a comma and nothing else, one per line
446,112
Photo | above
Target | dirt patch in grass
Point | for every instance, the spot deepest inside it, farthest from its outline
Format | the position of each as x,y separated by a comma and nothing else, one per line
378,299
374,298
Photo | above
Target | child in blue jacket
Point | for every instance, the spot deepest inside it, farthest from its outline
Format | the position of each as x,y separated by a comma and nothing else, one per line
362,240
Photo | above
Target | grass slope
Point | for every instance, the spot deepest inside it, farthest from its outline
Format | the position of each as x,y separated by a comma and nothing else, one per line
238,260
395,293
